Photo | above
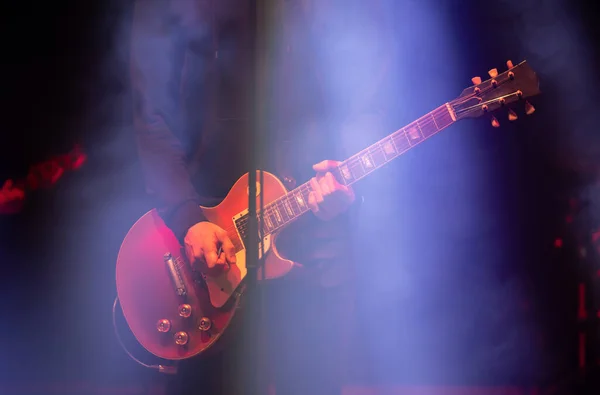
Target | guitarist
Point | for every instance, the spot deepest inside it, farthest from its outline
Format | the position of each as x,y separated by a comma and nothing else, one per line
189,83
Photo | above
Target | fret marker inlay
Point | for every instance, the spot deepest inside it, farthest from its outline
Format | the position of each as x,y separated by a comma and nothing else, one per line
288,208
413,133
389,149
346,172
300,200
366,161
277,215
268,221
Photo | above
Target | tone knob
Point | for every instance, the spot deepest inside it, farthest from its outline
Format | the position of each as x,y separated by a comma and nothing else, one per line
163,325
205,324
181,338
185,310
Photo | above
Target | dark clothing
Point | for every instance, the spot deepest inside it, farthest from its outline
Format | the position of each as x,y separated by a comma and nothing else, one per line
189,63
189,81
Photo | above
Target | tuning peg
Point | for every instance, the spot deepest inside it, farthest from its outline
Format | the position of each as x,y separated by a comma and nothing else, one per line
529,109
493,73
512,116
495,122
509,64
476,80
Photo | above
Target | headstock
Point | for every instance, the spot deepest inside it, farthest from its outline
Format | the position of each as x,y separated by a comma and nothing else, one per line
514,85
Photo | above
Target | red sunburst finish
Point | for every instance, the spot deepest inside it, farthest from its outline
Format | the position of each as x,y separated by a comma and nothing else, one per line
147,294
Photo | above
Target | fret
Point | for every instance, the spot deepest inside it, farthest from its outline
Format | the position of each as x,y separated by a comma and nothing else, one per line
346,173
305,191
435,128
391,138
401,141
356,168
277,215
420,128
300,201
282,212
367,162
442,117
389,149
294,204
267,222
413,134
425,126
273,220
377,155
288,207
362,167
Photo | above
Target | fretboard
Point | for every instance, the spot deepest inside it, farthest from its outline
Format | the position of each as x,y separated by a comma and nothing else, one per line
389,148
295,203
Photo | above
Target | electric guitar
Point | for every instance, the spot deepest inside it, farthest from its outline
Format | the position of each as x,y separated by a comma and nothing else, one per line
176,313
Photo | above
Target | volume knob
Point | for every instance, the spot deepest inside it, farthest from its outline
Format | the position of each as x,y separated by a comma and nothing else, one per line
181,338
163,325
185,310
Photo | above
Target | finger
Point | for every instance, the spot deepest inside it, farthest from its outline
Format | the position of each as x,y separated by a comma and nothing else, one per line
222,262
312,195
326,165
324,186
315,186
211,258
334,185
191,254
228,250
316,190
330,181
312,202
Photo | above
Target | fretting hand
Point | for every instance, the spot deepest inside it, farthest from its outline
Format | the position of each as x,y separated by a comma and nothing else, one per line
208,247
328,197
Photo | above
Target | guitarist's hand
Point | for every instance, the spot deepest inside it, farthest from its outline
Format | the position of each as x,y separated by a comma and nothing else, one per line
203,242
328,198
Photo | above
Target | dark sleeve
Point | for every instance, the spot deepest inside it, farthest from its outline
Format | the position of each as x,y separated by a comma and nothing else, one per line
157,52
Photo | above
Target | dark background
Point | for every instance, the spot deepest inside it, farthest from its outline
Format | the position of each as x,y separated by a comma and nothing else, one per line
490,300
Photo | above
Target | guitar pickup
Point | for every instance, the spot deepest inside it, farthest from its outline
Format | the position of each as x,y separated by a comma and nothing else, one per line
175,275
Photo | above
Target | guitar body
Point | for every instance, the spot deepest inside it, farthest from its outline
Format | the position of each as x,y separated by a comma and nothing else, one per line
173,311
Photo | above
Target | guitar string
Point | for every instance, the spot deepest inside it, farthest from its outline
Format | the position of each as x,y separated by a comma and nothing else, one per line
355,161
352,163
277,206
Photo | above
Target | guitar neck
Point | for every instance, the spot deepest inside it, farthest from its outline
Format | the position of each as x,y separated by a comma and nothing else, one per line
295,203
389,148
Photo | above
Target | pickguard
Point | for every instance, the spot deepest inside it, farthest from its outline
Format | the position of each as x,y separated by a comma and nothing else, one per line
222,287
